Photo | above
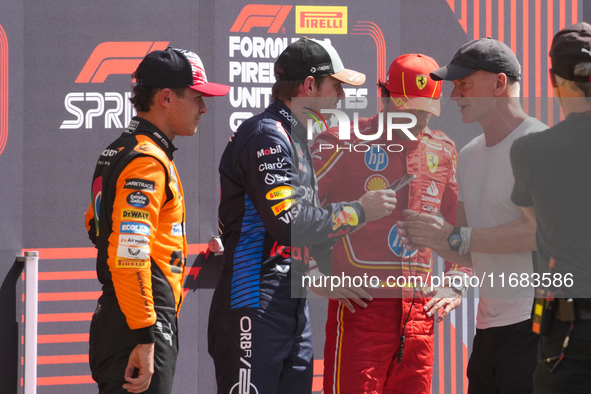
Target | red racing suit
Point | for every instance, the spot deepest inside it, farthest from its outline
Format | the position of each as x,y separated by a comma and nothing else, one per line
361,350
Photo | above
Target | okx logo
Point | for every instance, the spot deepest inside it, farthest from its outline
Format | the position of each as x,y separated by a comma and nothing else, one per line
104,109
261,15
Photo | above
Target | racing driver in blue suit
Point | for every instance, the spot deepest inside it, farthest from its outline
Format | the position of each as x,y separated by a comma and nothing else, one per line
273,229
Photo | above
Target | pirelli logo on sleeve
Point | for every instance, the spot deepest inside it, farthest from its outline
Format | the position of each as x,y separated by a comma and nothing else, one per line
321,20
135,214
282,206
127,263
139,184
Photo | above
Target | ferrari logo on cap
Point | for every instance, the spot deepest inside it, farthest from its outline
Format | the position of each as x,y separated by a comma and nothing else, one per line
421,81
432,161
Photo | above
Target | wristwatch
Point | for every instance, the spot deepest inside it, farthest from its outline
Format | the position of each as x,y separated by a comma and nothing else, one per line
455,239
458,288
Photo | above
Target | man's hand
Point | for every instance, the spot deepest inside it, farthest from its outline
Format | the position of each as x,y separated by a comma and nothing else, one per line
347,296
424,230
377,204
442,297
142,358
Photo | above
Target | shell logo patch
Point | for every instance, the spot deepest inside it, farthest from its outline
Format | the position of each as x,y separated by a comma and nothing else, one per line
376,182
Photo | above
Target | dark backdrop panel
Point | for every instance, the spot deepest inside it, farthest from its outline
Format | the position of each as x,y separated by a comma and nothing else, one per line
68,83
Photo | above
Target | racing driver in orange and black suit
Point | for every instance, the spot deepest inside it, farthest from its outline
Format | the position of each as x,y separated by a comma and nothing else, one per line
137,222
363,351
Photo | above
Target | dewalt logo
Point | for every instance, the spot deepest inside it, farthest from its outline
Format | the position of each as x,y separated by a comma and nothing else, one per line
135,214
261,15
321,20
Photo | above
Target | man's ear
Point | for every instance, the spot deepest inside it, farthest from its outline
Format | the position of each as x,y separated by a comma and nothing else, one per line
163,97
308,86
501,83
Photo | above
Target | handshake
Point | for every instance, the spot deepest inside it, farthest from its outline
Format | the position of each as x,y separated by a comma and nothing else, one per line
418,231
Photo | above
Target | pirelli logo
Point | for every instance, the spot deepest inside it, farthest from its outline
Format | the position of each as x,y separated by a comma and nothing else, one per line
126,263
282,206
135,214
321,20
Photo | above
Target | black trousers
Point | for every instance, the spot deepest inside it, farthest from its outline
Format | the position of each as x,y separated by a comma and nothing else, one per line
264,353
573,373
503,360
111,342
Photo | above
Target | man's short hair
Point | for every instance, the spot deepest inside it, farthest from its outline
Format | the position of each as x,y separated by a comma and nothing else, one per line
583,70
514,87
143,96
285,90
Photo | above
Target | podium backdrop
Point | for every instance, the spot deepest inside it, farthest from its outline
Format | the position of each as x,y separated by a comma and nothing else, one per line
64,85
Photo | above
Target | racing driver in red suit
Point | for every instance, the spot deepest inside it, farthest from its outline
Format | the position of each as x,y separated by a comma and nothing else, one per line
363,351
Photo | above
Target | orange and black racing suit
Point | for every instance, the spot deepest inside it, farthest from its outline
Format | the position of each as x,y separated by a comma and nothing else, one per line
136,220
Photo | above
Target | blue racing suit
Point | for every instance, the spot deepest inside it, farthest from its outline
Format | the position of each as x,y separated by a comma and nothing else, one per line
259,331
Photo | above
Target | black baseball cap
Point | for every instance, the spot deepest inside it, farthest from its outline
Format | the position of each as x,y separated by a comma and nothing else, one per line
309,57
485,54
571,46
176,68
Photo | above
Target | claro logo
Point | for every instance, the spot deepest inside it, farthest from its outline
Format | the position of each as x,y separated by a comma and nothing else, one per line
261,15
3,89
113,108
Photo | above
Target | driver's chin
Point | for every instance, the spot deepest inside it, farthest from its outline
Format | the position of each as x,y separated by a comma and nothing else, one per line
417,130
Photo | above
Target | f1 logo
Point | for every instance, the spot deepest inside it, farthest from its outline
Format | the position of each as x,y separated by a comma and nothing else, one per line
261,15
3,89
116,58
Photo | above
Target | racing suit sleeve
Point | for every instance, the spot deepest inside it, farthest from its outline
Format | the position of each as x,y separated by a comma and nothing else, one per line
329,174
449,203
135,220
327,164
283,193
90,224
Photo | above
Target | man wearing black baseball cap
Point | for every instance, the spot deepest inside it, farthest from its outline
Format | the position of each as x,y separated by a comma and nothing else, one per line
270,217
136,221
552,185
490,233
